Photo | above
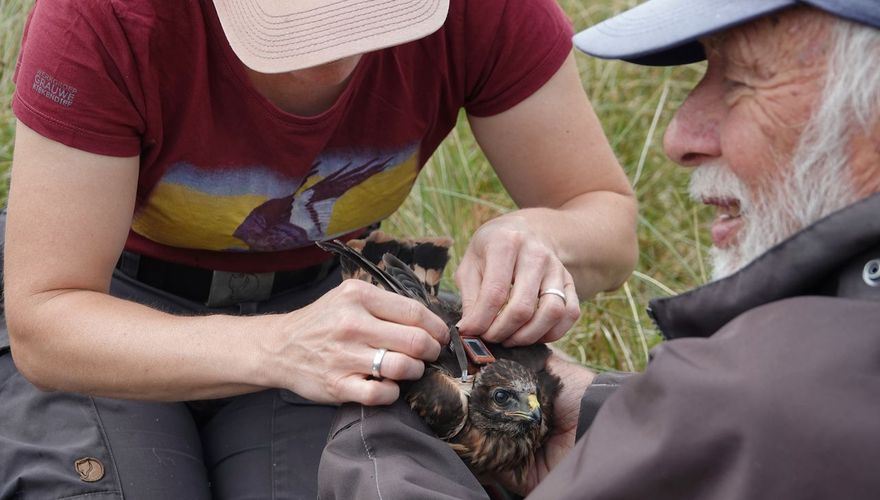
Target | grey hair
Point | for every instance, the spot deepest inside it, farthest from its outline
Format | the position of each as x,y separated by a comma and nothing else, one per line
850,103
853,76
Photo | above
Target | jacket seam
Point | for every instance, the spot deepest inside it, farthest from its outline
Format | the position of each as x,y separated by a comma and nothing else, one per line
369,454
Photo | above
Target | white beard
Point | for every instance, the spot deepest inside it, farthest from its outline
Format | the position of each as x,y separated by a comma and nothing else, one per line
764,223
814,190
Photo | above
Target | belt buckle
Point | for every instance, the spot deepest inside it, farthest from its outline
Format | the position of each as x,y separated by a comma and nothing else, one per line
228,288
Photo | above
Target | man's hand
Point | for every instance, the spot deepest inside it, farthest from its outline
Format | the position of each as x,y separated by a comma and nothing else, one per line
575,380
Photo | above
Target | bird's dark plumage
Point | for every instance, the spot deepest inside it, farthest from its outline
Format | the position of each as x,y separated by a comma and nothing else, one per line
498,418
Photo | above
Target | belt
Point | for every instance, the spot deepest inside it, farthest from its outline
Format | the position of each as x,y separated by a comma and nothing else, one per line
217,288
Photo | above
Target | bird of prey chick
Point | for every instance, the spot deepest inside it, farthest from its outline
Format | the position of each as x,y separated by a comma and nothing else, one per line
496,418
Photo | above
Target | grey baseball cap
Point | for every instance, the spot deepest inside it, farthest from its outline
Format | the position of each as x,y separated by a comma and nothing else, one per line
665,32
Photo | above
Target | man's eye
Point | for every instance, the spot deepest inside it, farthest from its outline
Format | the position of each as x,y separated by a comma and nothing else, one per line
501,397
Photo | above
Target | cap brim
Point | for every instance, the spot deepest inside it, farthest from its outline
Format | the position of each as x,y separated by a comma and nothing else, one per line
275,36
666,32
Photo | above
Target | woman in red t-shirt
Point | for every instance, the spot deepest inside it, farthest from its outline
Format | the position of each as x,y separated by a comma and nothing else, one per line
210,143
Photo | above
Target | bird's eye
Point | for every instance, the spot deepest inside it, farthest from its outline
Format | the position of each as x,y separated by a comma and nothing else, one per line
501,397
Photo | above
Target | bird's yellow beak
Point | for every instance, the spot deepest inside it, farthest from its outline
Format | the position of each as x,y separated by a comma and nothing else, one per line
535,408
533,402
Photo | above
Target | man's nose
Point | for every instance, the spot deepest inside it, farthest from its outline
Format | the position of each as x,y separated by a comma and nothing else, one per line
693,135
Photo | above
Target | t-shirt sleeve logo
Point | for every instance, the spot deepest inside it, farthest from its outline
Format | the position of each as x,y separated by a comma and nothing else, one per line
53,89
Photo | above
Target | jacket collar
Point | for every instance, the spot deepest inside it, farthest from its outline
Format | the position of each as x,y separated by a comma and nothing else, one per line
826,258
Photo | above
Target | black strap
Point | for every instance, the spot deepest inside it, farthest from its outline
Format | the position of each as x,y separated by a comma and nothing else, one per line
194,283
129,263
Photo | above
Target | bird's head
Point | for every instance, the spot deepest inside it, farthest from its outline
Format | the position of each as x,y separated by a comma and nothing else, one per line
505,398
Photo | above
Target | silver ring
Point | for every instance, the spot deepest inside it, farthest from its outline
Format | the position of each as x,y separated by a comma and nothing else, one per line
554,291
376,369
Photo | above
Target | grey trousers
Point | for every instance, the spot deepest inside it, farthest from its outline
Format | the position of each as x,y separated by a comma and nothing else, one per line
261,445
265,445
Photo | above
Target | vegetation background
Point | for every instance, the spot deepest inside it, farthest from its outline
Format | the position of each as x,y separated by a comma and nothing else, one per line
458,191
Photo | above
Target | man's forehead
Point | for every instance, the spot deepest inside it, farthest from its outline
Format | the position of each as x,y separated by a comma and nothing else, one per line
792,33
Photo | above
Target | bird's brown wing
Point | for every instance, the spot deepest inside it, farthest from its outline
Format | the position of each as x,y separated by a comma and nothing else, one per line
427,257
440,399
411,268
352,259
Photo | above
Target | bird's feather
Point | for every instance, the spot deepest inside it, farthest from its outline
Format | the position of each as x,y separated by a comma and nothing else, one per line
490,438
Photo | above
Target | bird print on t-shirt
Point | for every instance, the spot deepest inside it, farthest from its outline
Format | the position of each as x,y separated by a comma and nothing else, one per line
304,215
267,209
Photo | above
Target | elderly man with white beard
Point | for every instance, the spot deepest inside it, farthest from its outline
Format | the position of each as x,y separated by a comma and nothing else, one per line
769,385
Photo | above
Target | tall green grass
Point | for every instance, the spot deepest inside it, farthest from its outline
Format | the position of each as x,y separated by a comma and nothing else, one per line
458,190
12,16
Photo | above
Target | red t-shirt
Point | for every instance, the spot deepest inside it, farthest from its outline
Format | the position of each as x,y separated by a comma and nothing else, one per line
227,179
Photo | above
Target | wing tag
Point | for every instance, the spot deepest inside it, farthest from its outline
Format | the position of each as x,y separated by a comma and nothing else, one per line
477,351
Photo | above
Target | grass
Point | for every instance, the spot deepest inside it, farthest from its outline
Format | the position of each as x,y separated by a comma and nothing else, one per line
12,15
458,190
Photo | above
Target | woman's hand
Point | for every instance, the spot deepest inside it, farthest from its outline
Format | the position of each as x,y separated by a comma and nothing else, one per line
576,208
325,351
502,278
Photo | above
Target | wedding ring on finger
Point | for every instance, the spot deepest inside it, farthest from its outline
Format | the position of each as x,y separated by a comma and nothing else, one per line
376,368
554,291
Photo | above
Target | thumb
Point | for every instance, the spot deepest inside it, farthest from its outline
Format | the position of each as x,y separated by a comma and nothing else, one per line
468,278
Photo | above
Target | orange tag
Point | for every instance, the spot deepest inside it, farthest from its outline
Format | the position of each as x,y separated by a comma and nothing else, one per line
477,351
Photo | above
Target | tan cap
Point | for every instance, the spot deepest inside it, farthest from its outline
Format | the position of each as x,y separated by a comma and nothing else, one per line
274,36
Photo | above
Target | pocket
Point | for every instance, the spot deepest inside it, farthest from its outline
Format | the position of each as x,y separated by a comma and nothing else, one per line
51,444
